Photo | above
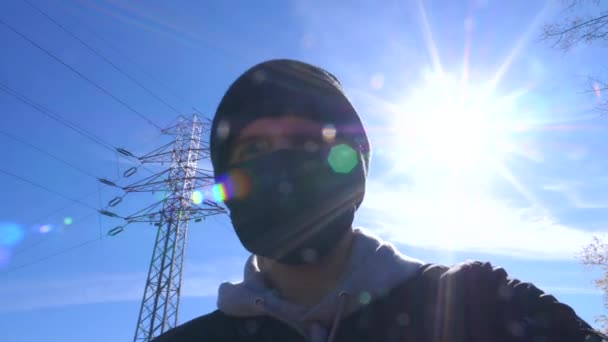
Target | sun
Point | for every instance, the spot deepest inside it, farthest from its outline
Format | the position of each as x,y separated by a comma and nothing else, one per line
452,124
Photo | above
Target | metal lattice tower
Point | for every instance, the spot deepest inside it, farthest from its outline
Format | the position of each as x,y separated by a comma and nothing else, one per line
160,303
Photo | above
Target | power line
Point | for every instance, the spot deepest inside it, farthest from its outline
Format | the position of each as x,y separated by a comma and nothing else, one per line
54,157
54,212
100,55
47,257
6,89
32,183
15,138
63,121
69,125
22,98
130,59
41,241
81,75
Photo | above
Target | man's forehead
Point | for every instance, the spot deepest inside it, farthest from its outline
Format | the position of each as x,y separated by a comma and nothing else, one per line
280,126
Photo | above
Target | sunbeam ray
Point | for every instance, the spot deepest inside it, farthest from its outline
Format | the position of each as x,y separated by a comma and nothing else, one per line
430,41
468,28
520,44
504,172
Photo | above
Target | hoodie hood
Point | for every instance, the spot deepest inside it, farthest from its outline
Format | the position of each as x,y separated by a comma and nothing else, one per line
374,268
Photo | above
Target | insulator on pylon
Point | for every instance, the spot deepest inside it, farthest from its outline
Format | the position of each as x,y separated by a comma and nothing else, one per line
107,213
125,152
115,201
107,182
130,172
115,230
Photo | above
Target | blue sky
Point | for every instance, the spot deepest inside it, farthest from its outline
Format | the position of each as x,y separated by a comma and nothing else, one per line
486,144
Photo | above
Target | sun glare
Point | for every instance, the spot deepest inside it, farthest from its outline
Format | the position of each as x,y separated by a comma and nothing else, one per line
453,124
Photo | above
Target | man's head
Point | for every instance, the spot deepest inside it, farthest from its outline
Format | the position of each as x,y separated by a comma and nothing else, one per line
292,155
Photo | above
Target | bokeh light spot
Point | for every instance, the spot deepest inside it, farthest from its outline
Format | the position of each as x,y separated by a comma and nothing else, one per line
219,192
45,228
10,234
329,133
403,319
365,298
4,257
311,146
238,185
377,81
309,255
468,24
597,90
223,129
259,76
342,158
68,221
197,197
235,184
285,188
161,195
308,41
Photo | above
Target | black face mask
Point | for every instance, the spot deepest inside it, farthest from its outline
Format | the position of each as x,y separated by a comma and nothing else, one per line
291,206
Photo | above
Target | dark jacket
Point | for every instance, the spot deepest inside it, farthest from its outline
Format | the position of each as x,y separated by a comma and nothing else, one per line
469,302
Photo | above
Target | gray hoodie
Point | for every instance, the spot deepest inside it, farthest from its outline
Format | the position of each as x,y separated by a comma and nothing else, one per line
375,267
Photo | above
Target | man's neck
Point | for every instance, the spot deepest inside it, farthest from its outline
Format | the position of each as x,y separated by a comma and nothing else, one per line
307,284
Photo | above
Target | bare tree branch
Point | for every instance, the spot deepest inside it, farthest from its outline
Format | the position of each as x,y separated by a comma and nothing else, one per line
590,27
576,28
595,255
584,21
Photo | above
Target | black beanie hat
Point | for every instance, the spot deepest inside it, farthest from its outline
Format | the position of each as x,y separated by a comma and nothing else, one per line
283,87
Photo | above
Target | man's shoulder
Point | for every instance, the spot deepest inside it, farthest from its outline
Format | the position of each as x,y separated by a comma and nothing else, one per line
212,326
479,292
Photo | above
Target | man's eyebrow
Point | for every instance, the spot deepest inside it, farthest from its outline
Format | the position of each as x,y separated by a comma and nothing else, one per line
298,132
247,139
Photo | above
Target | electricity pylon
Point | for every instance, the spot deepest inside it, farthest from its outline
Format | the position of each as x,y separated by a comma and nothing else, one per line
159,307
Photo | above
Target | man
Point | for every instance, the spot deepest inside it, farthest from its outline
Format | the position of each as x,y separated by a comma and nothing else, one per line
292,156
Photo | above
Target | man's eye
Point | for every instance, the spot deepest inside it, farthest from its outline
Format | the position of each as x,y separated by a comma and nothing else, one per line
253,149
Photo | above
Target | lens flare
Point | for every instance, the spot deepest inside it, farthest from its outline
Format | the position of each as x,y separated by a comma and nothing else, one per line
219,192
223,129
329,133
239,185
197,197
342,158
597,90
10,234
377,81
45,228
235,184
68,221
4,257
365,298
160,195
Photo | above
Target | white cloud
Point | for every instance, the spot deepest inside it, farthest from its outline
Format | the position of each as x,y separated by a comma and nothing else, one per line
577,153
58,292
31,294
467,221
557,290
570,190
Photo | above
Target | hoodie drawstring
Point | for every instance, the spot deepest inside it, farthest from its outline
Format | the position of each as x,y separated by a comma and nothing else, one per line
261,305
338,317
